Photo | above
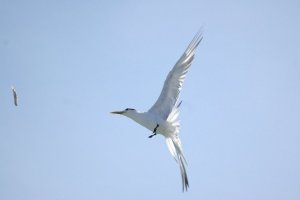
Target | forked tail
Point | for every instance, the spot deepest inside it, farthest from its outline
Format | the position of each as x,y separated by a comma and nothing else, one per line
174,146
175,149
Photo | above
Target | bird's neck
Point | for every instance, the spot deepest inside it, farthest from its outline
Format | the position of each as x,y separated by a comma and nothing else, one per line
136,116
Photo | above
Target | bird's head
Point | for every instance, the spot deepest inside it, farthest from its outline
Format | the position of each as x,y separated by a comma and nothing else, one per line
127,111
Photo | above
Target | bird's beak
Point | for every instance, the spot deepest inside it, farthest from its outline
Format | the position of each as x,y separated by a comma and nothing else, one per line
117,112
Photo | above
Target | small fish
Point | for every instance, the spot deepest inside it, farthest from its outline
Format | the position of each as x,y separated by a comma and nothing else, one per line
15,95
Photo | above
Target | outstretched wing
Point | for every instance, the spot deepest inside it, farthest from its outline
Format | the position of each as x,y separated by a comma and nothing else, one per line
173,84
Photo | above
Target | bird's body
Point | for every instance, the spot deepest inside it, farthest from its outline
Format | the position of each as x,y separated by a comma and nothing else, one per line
163,117
150,121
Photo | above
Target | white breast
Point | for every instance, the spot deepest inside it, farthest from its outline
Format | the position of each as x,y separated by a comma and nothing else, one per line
150,121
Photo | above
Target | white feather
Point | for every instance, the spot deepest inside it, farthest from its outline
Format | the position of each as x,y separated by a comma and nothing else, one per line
173,83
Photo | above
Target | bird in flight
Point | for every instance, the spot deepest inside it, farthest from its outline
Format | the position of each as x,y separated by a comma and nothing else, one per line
14,95
163,117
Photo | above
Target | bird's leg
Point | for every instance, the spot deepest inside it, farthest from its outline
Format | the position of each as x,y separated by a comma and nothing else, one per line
154,131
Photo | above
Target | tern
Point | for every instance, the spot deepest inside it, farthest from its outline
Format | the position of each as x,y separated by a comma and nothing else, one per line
163,117
14,95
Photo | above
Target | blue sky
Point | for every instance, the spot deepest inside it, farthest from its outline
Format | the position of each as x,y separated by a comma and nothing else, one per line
72,62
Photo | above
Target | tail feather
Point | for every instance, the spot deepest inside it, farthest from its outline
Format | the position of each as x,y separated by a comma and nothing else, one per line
174,146
173,118
171,148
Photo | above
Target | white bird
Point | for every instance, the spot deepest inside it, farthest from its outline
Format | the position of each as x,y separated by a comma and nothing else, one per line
163,116
14,95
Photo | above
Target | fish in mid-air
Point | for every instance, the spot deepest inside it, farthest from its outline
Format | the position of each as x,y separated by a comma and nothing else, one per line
14,95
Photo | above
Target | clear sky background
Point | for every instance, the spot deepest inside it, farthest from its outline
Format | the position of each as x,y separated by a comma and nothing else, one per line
72,62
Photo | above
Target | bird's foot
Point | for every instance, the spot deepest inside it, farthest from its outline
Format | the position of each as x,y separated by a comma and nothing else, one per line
154,131
150,136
